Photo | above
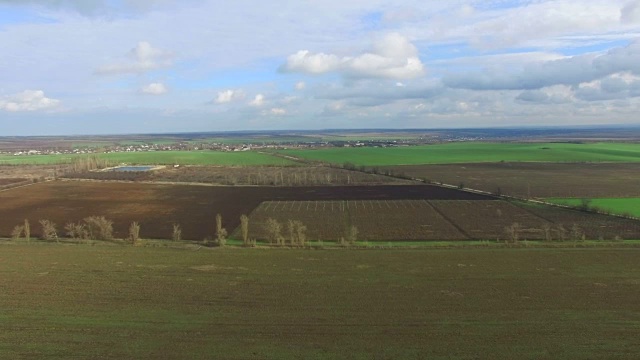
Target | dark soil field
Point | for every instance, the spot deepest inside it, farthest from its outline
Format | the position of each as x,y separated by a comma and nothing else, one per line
245,175
536,179
113,302
410,220
158,207
376,220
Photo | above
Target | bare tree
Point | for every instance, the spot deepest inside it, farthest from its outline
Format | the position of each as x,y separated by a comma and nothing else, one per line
562,232
27,230
546,228
221,233
49,230
352,235
291,226
576,232
134,232
176,235
513,232
244,229
301,232
17,231
273,229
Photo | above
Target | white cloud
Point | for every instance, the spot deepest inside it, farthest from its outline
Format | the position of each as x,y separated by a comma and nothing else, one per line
97,7
567,71
300,85
630,13
228,96
558,94
392,57
155,89
257,101
278,111
28,100
144,57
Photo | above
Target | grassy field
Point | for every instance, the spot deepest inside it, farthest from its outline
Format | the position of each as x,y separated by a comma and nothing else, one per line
60,302
245,158
614,205
470,152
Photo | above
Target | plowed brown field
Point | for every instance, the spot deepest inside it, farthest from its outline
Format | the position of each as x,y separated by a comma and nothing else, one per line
157,207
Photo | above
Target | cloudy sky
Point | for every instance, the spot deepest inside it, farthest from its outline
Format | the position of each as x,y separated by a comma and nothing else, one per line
123,66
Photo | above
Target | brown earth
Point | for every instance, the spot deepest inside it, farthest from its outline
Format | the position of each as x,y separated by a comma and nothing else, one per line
249,175
10,181
157,207
397,220
536,179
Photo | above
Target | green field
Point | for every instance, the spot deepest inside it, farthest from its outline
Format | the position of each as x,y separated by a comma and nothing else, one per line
613,205
474,152
61,302
244,158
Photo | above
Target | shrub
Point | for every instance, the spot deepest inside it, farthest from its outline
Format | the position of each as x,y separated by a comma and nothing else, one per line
76,231
98,228
48,230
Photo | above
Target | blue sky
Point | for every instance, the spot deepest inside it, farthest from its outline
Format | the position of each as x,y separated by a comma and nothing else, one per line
136,66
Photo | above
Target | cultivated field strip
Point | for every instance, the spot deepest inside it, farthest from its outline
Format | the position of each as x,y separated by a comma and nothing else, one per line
391,220
487,220
376,220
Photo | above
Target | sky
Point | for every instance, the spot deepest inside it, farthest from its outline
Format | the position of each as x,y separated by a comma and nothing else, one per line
156,66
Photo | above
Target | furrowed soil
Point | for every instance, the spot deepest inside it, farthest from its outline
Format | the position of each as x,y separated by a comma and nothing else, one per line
157,207
400,220
61,302
536,179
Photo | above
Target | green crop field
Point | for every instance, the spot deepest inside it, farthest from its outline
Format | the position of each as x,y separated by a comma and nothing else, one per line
473,152
99,302
614,205
244,158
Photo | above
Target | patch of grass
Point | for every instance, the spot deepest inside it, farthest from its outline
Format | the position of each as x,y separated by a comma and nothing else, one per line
147,303
475,152
613,205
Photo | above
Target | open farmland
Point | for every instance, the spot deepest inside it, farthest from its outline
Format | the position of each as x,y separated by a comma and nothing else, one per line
205,157
376,220
158,206
61,302
629,206
535,179
248,175
474,152
595,226
398,220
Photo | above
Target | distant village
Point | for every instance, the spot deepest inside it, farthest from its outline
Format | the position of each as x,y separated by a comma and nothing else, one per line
216,146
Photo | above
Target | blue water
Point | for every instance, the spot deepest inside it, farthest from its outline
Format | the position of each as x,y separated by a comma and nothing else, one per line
133,168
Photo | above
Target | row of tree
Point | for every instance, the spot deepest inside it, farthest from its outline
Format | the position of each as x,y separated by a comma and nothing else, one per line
513,232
